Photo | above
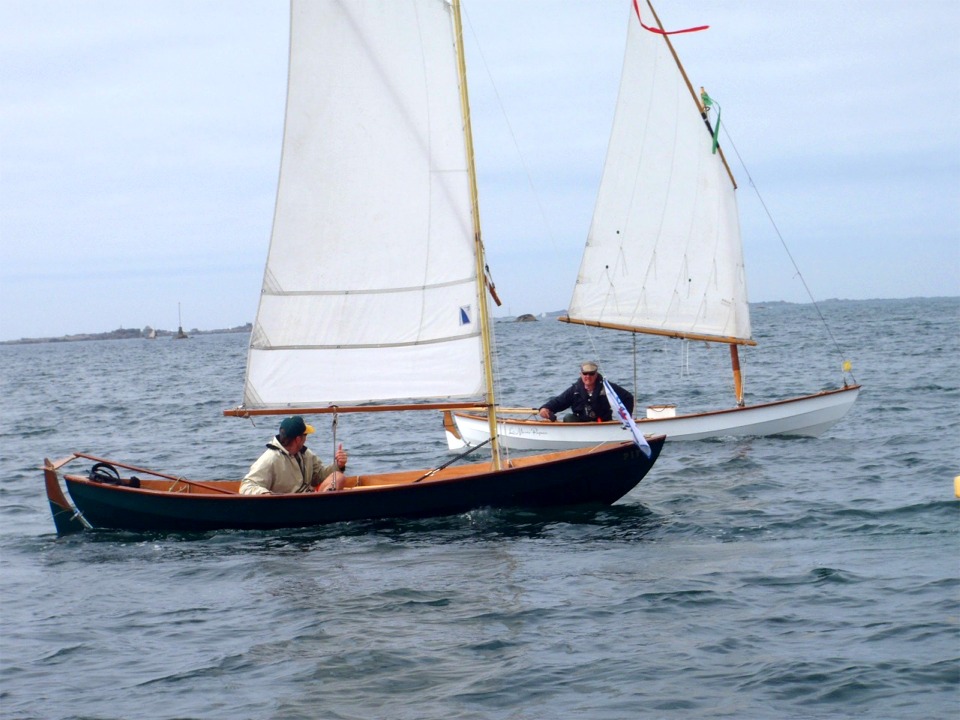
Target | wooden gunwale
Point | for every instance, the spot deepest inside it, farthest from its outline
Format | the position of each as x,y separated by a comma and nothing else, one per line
724,411
357,483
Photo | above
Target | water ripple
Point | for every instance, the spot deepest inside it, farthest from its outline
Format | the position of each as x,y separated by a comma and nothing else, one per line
744,578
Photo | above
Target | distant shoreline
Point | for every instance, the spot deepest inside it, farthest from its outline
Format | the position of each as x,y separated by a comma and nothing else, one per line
133,334
126,334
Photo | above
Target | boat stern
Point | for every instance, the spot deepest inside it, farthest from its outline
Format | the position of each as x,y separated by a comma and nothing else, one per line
65,517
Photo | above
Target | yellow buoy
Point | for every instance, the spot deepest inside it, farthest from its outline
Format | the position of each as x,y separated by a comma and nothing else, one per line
847,366
956,486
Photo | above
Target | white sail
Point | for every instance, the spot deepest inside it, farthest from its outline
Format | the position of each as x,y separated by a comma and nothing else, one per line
663,253
370,291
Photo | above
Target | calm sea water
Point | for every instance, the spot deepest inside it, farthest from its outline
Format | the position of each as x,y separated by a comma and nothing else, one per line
752,578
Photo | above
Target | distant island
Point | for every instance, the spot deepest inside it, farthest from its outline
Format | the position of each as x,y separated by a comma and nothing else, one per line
147,333
532,317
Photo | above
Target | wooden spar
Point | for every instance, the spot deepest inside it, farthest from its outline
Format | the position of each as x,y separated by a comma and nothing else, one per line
696,99
501,410
175,478
737,377
251,412
478,243
657,331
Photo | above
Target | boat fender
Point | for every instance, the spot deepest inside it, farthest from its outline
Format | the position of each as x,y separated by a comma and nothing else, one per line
107,474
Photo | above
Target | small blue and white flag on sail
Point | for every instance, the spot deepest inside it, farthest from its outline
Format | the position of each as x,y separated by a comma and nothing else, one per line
626,420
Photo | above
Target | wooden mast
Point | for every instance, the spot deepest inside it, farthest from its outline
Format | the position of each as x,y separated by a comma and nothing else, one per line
737,377
478,250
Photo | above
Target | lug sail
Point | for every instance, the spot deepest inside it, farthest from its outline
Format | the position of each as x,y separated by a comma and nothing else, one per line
370,292
663,254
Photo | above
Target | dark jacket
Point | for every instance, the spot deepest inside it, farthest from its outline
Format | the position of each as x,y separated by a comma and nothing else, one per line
588,407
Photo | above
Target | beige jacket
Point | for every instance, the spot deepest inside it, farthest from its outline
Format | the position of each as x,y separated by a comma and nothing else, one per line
277,471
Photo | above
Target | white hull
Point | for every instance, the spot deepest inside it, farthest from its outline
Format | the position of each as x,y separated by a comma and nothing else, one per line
809,415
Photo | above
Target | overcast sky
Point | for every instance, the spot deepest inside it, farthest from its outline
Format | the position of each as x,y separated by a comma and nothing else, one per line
140,144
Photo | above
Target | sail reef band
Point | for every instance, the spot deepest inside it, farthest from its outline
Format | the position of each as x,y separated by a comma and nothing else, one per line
288,466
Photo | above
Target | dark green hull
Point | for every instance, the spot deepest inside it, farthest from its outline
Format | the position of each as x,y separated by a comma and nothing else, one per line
599,476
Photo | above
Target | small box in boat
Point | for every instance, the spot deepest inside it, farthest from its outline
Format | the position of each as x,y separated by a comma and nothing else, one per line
655,412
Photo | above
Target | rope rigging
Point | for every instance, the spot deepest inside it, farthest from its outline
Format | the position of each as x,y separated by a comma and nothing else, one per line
846,365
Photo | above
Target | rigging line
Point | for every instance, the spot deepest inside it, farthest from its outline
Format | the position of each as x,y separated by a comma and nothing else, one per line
591,333
529,176
783,242
450,462
595,354
513,136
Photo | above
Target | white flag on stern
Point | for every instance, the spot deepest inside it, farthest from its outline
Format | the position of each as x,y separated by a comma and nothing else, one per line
625,418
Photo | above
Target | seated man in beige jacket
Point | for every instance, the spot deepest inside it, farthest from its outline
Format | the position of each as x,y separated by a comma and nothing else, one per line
288,466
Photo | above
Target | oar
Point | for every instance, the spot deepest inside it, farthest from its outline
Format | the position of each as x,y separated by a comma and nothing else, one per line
134,468
453,460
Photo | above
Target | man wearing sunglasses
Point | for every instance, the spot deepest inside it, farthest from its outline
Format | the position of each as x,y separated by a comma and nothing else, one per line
586,398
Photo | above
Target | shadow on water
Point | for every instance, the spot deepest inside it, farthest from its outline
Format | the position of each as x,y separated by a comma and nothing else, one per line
598,524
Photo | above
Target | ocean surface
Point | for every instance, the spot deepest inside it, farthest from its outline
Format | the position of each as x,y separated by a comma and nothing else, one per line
743,578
